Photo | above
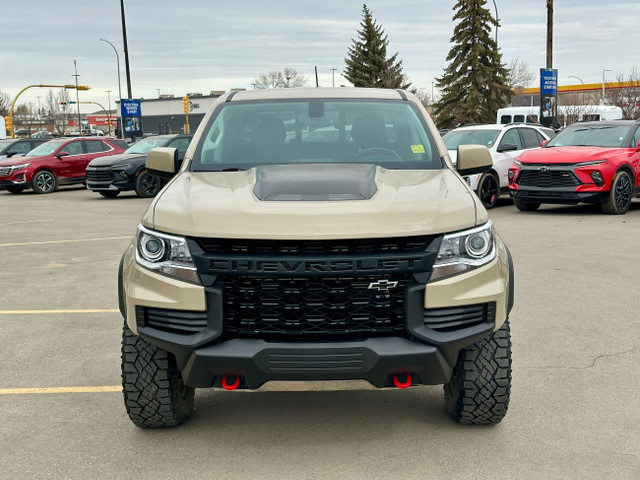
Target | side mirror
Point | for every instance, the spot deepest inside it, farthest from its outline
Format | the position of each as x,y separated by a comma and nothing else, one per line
162,162
507,147
62,154
10,153
543,143
638,146
473,159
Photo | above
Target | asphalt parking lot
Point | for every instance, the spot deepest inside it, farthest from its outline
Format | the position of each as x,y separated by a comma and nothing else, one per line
574,412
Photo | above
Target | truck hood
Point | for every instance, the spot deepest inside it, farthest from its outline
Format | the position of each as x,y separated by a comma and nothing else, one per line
568,154
15,160
113,160
225,205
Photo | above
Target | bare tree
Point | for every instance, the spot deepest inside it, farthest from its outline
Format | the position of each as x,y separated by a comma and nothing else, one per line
520,75
5,104
288,78
426,99
626,97
57,108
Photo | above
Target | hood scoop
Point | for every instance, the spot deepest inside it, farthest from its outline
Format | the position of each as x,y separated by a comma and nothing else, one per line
315,183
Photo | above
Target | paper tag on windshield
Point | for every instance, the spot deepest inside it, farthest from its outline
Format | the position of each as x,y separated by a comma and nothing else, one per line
417,148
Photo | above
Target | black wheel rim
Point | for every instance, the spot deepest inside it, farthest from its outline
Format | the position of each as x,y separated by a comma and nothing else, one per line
489,192
149,185
45,182
622,192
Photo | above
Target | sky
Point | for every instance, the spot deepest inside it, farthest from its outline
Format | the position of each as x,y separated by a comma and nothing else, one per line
199,46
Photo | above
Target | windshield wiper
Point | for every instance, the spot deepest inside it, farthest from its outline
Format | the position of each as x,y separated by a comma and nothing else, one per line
230,169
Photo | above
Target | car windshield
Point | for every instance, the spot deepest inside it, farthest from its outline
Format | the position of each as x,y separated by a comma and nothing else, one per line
45,149
591,135
144,146
455,138
243,135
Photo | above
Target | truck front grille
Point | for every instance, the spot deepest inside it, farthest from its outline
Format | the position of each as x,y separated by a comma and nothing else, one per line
313,308
548,179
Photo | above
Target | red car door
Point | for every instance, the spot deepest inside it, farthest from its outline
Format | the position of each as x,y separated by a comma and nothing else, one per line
66,165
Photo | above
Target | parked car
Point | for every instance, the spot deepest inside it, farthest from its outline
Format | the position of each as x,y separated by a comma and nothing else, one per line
57,162
42,134
505,143
116,173
18,146
590,162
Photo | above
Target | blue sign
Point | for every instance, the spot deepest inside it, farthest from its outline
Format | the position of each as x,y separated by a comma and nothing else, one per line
548,81
130,108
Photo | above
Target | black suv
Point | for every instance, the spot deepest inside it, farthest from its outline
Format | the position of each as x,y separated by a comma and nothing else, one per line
19,146
111,175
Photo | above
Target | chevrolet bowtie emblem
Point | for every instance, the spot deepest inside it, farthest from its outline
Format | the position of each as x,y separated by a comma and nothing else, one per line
382,285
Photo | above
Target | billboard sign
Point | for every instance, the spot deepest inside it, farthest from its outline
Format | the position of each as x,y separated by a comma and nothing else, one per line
548,96
131,118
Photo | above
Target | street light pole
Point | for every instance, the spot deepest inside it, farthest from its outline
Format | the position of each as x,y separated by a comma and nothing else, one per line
333,79
603,70
75,65
109,115
497,21
119,89
573,76
126,50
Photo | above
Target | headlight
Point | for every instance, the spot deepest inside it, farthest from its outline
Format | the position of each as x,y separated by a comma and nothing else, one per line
20,167
517,163
464,251
165,254
593,162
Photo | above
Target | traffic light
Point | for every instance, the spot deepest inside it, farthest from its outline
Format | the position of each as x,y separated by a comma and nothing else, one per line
83,87
8,124
64,103
185,100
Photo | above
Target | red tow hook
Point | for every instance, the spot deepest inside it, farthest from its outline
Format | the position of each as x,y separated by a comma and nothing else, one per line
230,386
399,384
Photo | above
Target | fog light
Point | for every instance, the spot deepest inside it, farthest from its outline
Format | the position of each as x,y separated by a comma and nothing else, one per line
597,178
123,174
512,176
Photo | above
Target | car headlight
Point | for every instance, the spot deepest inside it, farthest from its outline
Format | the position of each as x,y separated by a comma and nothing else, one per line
464,251
587,164
517,163
165,254
20,167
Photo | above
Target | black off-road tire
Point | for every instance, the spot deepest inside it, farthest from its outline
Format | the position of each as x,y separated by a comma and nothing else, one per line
110,193
488,190
15,189
619,200
525,206
478,393
154,393
147,185
44,182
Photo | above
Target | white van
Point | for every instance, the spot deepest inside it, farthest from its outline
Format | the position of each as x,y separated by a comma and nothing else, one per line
567,114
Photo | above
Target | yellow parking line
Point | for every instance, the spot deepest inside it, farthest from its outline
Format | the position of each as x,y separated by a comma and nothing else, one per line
26,221
52,242
30,312
28,391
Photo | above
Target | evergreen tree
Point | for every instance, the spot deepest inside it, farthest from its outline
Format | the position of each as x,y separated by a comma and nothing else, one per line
475,84
367,62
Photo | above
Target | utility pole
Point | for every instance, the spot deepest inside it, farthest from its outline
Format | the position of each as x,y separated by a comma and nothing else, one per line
75,65
549,33
333,78
126,49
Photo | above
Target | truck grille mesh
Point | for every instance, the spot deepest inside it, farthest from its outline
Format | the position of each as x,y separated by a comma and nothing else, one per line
549,179
184,322
312,308
311,247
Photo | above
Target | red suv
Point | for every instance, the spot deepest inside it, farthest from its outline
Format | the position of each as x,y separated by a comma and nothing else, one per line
57,162
590,162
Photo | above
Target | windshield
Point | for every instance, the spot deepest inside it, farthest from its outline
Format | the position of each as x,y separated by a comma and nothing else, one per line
593,136
45,149
144,146
455,138
243,135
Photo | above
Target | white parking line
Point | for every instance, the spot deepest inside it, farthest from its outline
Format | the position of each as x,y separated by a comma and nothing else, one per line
26,391
27,221
53,242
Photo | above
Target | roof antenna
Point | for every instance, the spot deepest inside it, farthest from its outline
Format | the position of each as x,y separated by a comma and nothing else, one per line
316,67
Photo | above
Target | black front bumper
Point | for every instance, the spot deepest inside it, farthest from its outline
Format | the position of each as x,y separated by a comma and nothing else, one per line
558,196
